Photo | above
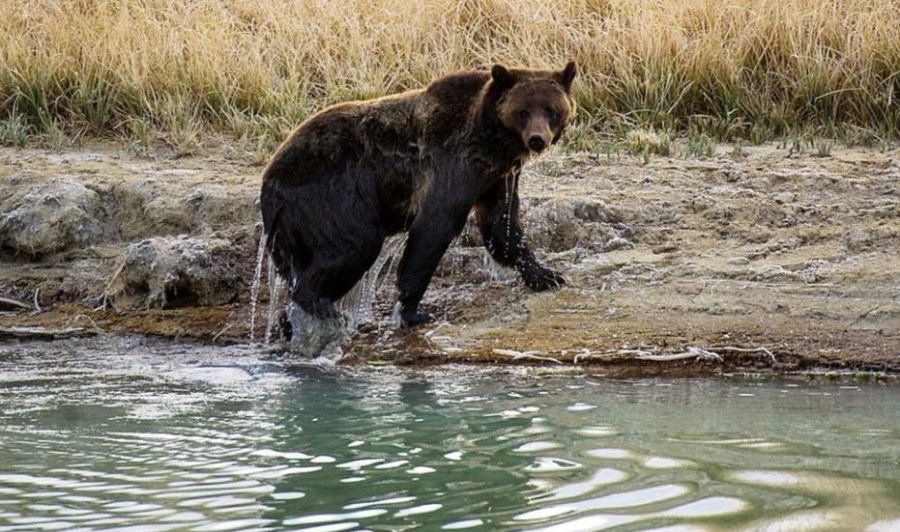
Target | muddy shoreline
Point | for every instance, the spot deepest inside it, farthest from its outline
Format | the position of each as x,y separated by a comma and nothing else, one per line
759,259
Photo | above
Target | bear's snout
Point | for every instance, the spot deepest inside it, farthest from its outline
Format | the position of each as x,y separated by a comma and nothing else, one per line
537,143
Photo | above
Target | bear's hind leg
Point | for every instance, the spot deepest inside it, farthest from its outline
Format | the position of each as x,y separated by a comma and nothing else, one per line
326,280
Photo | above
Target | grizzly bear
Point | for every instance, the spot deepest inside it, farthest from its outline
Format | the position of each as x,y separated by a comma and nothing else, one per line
420,161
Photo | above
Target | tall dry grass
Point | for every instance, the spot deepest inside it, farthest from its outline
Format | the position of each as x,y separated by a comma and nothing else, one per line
179,69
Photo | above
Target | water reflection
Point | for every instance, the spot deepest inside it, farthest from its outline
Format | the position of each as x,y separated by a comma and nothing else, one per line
142,434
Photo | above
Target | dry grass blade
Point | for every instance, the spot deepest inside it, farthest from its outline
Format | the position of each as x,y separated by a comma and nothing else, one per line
176,70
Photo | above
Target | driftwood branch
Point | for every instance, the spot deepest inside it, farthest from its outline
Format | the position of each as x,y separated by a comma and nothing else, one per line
42,333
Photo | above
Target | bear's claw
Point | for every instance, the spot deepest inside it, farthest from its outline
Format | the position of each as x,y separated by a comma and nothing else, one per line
540,279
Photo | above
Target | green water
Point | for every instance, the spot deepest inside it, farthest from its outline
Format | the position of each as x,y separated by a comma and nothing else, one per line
131,433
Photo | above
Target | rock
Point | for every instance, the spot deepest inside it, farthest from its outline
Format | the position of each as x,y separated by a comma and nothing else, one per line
169,272
43,217
562,224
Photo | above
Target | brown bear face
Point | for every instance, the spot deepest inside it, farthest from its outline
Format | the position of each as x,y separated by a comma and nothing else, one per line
536,104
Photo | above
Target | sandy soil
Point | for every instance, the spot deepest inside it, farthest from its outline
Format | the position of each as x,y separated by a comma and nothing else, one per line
764,260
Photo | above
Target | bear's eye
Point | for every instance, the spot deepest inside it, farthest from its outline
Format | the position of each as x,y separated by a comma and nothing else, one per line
551,113
524,114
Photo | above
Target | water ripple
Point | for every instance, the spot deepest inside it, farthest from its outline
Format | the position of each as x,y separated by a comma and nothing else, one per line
155,440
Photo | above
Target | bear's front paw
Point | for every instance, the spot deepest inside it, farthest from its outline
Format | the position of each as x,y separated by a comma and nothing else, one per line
414,318
539,279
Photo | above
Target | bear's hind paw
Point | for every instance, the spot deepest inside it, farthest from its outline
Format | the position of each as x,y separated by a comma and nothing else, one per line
323,308
414,318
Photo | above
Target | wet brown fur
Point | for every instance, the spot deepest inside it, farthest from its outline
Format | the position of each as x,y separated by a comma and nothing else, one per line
419,161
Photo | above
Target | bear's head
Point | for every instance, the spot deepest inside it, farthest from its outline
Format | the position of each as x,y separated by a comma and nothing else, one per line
536,104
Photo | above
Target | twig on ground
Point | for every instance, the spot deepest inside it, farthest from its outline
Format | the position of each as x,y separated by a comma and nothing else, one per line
14,303
587,353
119,269
86,317
530,355
41,333
220,333
37,306
746,350
689,352
703,353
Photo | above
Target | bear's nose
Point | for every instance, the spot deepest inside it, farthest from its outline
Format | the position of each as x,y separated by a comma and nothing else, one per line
537,143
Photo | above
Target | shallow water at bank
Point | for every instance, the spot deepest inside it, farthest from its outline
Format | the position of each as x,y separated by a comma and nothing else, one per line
130,432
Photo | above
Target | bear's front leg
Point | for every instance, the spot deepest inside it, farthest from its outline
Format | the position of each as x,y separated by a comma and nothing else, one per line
497,213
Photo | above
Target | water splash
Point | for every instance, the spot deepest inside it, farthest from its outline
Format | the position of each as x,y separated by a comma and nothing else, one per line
493,271
320,339
315,337
358,306
276,293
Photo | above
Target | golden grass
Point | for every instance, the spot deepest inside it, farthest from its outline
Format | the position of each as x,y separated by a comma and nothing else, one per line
732,69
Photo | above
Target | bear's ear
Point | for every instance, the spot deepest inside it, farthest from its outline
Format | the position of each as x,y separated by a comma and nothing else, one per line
502,77
567,75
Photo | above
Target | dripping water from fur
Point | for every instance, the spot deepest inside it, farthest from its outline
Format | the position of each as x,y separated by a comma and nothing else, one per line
318,338
358,306
512,185
254,287
276,295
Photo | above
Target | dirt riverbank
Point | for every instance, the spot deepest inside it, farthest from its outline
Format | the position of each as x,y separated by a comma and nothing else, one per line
767,259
